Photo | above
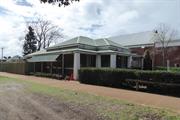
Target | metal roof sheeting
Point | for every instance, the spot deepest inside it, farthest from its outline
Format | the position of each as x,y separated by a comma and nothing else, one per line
77,40
134,39
43,58
85,41
139,39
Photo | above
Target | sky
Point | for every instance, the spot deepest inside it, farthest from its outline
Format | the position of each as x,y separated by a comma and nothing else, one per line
91,18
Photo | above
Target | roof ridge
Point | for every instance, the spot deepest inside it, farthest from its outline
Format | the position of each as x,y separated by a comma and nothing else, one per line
106,41
78,39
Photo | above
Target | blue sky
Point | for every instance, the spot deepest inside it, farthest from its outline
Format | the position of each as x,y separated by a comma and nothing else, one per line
92,18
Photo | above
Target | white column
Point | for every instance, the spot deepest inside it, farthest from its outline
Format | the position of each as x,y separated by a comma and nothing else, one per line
76,65
113,61
129,61
98,61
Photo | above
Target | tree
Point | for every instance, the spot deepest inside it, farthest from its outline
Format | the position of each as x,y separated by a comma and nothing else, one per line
60,2
163,36
46,33
30,42
5,57
147,62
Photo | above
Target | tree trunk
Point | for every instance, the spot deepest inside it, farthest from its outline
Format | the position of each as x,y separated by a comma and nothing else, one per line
39,46
44,42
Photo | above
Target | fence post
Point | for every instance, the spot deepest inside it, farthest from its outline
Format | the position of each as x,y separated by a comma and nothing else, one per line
137,85
168,64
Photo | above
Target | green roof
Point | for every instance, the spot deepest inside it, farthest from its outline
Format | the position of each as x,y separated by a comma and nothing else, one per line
36,53
78,43
86,41
106,42
77,40
44,58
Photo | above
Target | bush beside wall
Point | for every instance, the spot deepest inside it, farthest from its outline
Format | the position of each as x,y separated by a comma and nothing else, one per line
48,75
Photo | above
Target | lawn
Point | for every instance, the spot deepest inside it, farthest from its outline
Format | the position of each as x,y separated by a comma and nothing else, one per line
103,107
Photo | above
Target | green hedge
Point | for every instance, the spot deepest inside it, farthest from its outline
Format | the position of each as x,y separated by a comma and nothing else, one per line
116,77
105,77
172,69
159,76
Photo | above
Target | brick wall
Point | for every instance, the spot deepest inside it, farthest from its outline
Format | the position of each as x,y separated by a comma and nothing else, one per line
173,54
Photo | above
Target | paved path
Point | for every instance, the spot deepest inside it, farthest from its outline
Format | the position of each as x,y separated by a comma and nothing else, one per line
132,96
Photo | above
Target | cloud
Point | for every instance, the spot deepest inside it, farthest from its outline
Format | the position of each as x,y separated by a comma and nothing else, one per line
23,3
92,18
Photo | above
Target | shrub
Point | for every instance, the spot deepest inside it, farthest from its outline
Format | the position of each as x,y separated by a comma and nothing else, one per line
40,74
159,76
172,69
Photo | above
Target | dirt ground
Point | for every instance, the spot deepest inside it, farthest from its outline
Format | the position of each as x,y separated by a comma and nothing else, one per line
15,104
172,103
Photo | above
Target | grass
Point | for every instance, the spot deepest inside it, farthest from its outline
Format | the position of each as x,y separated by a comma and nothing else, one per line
105,106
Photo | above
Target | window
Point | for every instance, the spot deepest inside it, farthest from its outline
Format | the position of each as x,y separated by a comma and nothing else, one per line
68,60
121,61
105,60
88,60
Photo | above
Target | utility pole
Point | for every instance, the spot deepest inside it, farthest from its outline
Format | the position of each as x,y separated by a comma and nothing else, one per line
154,55
2,58
2,52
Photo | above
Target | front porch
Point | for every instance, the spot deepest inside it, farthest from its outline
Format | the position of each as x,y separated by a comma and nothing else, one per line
69,64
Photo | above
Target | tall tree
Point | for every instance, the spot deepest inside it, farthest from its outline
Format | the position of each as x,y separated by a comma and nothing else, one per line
46,33
30,42
163,36
147,62
60,2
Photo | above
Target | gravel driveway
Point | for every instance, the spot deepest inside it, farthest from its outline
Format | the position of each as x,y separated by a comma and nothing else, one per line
15,104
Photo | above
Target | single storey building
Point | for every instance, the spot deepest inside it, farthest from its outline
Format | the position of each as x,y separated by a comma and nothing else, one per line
68,57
